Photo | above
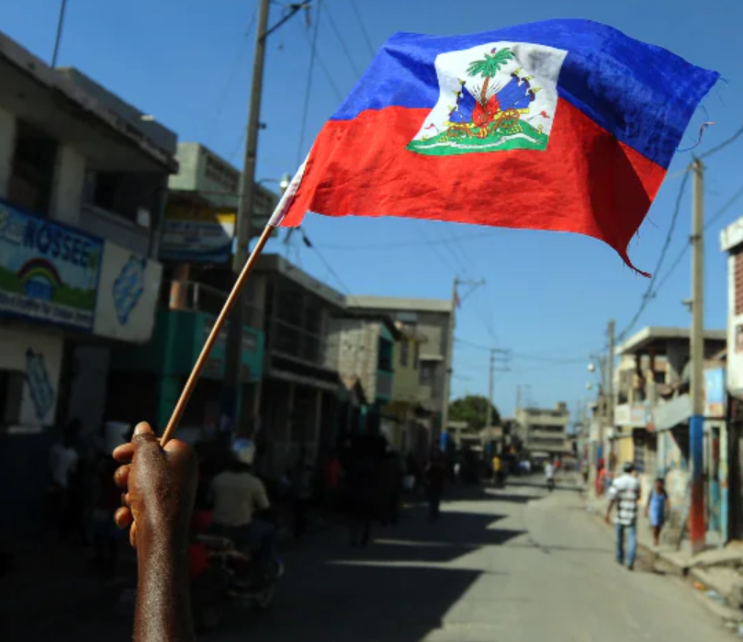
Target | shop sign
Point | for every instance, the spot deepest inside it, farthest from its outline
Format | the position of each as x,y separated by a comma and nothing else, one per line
48,271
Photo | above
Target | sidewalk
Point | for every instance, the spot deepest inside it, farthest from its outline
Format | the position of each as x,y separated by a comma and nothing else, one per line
715,574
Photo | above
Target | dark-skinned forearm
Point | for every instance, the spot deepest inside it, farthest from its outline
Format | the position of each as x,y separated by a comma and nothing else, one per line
163,610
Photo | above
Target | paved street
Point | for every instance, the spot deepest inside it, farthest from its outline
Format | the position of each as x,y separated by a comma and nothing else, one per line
509,566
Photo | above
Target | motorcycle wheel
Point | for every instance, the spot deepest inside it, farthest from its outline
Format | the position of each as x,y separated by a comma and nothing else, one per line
264,599
208,615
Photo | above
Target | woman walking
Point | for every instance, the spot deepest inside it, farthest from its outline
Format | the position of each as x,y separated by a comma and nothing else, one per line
657,508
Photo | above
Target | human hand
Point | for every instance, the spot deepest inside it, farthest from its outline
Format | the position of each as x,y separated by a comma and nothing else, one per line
607,519
159,487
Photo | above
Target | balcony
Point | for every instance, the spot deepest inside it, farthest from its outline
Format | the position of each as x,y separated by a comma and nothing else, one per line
124,232
632,415
198,297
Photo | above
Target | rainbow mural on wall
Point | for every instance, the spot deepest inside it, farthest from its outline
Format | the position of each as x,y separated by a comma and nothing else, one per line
39,278
48,271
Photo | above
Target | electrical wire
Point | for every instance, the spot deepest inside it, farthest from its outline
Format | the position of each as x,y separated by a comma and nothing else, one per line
722,145
363,28
649,294
406,244
308,88
342,40
232,74
324,68
716,217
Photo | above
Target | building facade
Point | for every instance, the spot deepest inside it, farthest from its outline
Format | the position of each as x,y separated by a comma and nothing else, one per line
433,320
650,427
543,432
82,187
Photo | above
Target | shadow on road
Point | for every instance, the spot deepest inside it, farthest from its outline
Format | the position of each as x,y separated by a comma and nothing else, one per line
392,591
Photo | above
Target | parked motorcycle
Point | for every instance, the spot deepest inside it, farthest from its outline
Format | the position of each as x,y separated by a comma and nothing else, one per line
229,575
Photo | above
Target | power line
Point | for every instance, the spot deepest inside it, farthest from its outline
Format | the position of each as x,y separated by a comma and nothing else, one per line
342,40
677,261
232,74
324,67
406,244
722,145
324,261
363,28
649,291
308,88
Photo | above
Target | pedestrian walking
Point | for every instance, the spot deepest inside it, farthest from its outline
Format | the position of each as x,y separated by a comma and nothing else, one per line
549,474
625,494
63,496
435,476
657,508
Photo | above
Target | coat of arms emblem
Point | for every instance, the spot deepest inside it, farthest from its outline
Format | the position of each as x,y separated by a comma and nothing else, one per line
499,96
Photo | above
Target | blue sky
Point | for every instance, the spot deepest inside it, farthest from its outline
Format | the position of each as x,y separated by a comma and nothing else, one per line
548,296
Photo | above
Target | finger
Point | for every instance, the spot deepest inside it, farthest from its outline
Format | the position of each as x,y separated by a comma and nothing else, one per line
121,476
143,434
123,517
124,453
133,535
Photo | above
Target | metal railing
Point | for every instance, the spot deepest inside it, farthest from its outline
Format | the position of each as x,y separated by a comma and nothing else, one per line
199,297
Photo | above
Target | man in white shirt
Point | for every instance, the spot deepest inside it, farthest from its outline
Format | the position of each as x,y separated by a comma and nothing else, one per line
549,474
237,496
625,494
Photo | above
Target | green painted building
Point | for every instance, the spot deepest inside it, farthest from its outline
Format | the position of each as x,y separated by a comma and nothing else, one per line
151,377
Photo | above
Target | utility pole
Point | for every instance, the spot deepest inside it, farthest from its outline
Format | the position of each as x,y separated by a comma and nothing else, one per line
489,414
244,218
697,526
455,300
494,352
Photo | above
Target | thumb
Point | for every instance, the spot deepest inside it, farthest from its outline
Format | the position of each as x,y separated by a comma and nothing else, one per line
143,435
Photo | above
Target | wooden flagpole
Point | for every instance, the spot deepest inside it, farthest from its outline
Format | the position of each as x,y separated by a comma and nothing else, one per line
223,315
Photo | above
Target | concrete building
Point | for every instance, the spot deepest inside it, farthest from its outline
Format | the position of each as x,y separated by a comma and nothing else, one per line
543,432
650,425
363,349
196,251
434,320
200,215
297,406
383,356
82,184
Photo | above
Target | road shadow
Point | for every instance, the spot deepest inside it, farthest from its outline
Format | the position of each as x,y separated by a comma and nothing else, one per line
394,590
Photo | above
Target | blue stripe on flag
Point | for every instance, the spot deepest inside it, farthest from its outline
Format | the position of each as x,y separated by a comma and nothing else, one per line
642,94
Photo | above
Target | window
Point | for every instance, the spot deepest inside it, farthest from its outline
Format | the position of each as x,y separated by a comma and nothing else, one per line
11,393
416,355
425,378
129,195
32,177
404,349
385,355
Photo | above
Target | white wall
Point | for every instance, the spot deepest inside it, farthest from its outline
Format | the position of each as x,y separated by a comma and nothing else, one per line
128,291
39,357
735,349
67,191
7,147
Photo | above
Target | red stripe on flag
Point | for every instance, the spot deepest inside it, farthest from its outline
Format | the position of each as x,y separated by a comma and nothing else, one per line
586,181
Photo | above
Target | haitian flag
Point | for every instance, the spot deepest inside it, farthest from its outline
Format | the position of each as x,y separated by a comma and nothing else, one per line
564,125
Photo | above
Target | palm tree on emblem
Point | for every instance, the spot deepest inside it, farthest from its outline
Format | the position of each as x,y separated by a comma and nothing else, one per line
488,68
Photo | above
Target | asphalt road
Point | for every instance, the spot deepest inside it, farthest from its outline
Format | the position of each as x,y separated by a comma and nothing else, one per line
513,565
